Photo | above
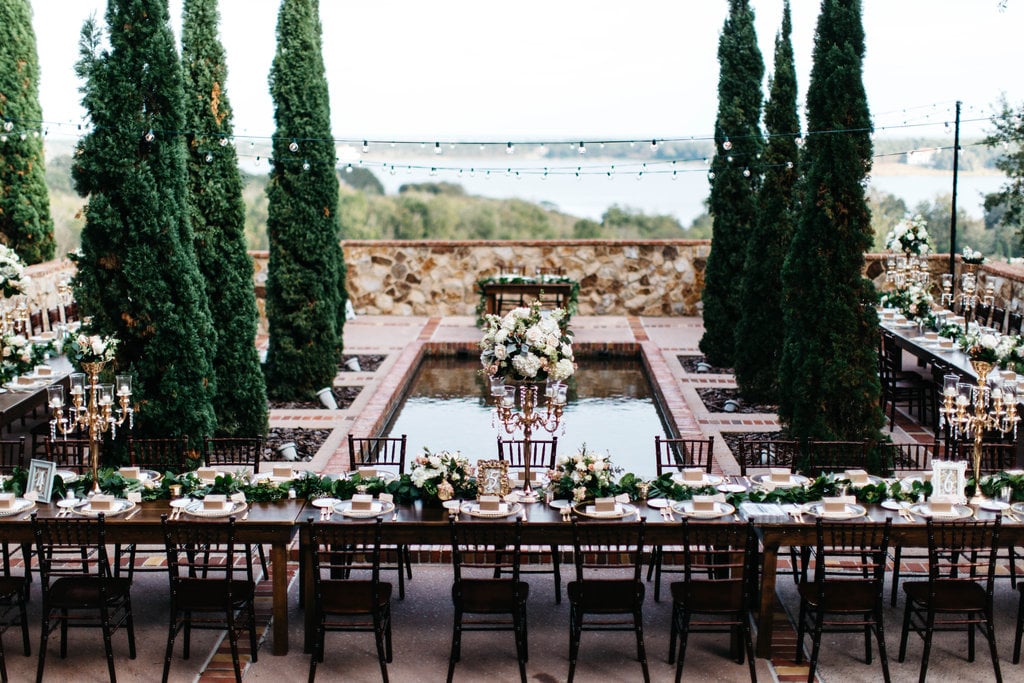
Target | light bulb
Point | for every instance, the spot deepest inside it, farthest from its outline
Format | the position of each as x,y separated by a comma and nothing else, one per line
746,173
729,158
209,158
437,148
149,136
789,164
305,165
392,169
675,175
488,176
433,171
711,175
366,147
348,169
23,136
293,146
509,148
582,148
223,142
799,140
8,125
35,133
543,147
727,145
472,173
654,144
3,138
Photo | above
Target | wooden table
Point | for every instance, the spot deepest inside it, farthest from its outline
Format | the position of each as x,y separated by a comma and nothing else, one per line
494,293
419,525
15,403
268,523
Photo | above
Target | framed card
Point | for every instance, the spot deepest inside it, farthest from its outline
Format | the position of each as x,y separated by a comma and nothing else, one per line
40,480
949,479
492,478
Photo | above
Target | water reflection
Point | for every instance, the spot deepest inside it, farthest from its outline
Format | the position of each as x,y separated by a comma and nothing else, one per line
611,409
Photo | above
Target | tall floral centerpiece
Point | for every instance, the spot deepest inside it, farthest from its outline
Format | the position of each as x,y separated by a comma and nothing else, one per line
442,476
521,349
909,236
12,272
582,475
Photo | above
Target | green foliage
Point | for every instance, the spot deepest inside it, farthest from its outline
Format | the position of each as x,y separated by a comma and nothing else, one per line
25,223
1009,136
362,179
828,377
759,332
733,202
137,273
218,224
306,271
453,189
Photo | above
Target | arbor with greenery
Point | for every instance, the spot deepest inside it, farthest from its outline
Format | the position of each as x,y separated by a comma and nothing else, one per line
137,274
218,224
735,173
306,271
25,223
759,332
828,377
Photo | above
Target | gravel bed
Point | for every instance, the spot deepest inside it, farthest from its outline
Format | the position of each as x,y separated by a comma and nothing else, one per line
733,439
307,441
343,395
714,400
689,364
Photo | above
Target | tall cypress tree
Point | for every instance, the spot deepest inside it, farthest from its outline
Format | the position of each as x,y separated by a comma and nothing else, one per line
25,223
218,223
735,179
759,333
305,300
137,274
828,375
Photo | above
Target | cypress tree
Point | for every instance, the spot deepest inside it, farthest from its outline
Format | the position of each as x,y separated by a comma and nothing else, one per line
305,293
137,274
25,223
735,177
759,332
218,224
828,377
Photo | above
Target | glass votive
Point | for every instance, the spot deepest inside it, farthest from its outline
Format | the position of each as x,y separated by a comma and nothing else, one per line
561,394
175,490
509,399
497,386
124,385
55,396
106,395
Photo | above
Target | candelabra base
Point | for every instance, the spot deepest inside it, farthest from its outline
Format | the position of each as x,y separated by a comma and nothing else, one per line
978,498
528,496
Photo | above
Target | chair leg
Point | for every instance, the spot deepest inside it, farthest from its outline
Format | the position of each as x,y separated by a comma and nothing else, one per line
929,630
641,654
169,654
24,629
520,638
990,634
904,632
819,617
42,646
574,641
556,568
456,645
801,628
233,643
684,633
748,641
108,646
378,639
673,632
1020,629
896,555
880,636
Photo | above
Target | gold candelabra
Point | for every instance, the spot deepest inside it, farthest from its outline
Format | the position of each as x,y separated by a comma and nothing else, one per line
92,409
971,410
529,417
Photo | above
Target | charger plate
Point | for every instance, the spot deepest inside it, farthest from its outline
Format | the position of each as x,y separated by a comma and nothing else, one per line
587,510
853,511
958,512
685,507
118,506
345,509
196,509
472,508
20,505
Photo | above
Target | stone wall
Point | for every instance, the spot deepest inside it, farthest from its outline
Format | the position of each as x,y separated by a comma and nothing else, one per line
652,277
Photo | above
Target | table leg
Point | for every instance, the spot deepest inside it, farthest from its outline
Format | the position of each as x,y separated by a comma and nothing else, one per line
279,570
766,610
308,610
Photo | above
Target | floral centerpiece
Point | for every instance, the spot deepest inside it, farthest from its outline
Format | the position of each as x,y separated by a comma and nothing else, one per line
442,476
18,356
12,272
90,348
909,236
528,344
972,257
986,347
913,301
584,474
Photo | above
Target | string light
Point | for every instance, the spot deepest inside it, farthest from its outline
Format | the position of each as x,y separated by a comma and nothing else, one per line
149,136
366,147
437,148
293,146
582,148
509,148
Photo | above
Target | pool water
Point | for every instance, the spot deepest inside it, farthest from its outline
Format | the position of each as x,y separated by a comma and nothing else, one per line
611,409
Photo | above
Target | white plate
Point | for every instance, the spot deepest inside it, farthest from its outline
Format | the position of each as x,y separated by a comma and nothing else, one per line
325,502
118,506
706,480
72,502
993,505
19,505
67,475
383,475
959,512
685,507
624,510
853,511
345,508
732,488
764,479
16,386
196,509
451,504
181,502
892,504
267,476
560,503
658,503
472,509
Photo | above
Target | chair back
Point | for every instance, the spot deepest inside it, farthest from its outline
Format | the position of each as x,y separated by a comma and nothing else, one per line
36,322
542,452
376,451
982,313
998,318
673,455
484,552
71,313
852,551
70,547
995,456
12,454
911,457
348,552
604,551
53,317
68,454
234,452
836,456
960,551
719,558
205,551
764,453
162,455
1014,322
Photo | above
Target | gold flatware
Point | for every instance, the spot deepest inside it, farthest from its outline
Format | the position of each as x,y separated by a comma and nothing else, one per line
133,513
394,516
245,516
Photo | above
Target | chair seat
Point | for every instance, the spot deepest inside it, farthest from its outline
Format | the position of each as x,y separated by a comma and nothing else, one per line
351,596
84,592
840,597
607,596
950,596
211,595
491,596
708,597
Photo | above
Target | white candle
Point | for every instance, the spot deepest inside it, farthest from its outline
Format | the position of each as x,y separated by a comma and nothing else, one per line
75,389
56,403
949,391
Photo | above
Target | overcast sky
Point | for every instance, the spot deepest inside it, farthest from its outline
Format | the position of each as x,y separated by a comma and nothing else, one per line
569,69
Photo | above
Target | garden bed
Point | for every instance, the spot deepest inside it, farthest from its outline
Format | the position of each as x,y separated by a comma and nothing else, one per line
343,395
715,401
690,364
307,441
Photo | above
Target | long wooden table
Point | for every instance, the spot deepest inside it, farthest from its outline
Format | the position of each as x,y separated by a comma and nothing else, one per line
419,525
15,403
273,524
522,293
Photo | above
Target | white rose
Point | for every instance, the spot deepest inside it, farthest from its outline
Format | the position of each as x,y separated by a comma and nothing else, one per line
500,336
581,466
988,341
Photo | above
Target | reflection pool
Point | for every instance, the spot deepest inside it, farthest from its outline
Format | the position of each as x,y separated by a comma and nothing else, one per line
611,409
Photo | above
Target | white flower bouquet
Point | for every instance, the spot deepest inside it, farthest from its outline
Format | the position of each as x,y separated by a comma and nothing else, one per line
971,256
528,344
442,475
987,347
91,348
909,236
12,272
18,356
913,301
584,474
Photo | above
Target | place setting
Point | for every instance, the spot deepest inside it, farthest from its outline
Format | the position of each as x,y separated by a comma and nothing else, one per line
704,507
618,507
361,505
11,504
212,505
836,508
779,477
695,477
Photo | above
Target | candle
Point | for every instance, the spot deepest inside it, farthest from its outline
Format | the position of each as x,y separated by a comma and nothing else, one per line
123,391
949,391
56,403
76,389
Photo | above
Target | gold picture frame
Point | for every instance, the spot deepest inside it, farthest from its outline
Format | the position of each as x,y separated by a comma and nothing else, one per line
492,478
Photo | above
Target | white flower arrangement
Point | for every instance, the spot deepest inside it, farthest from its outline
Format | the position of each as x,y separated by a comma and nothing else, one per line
909,236
528,344
91,348
984,346
969,255
584,474
12,272
442,474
